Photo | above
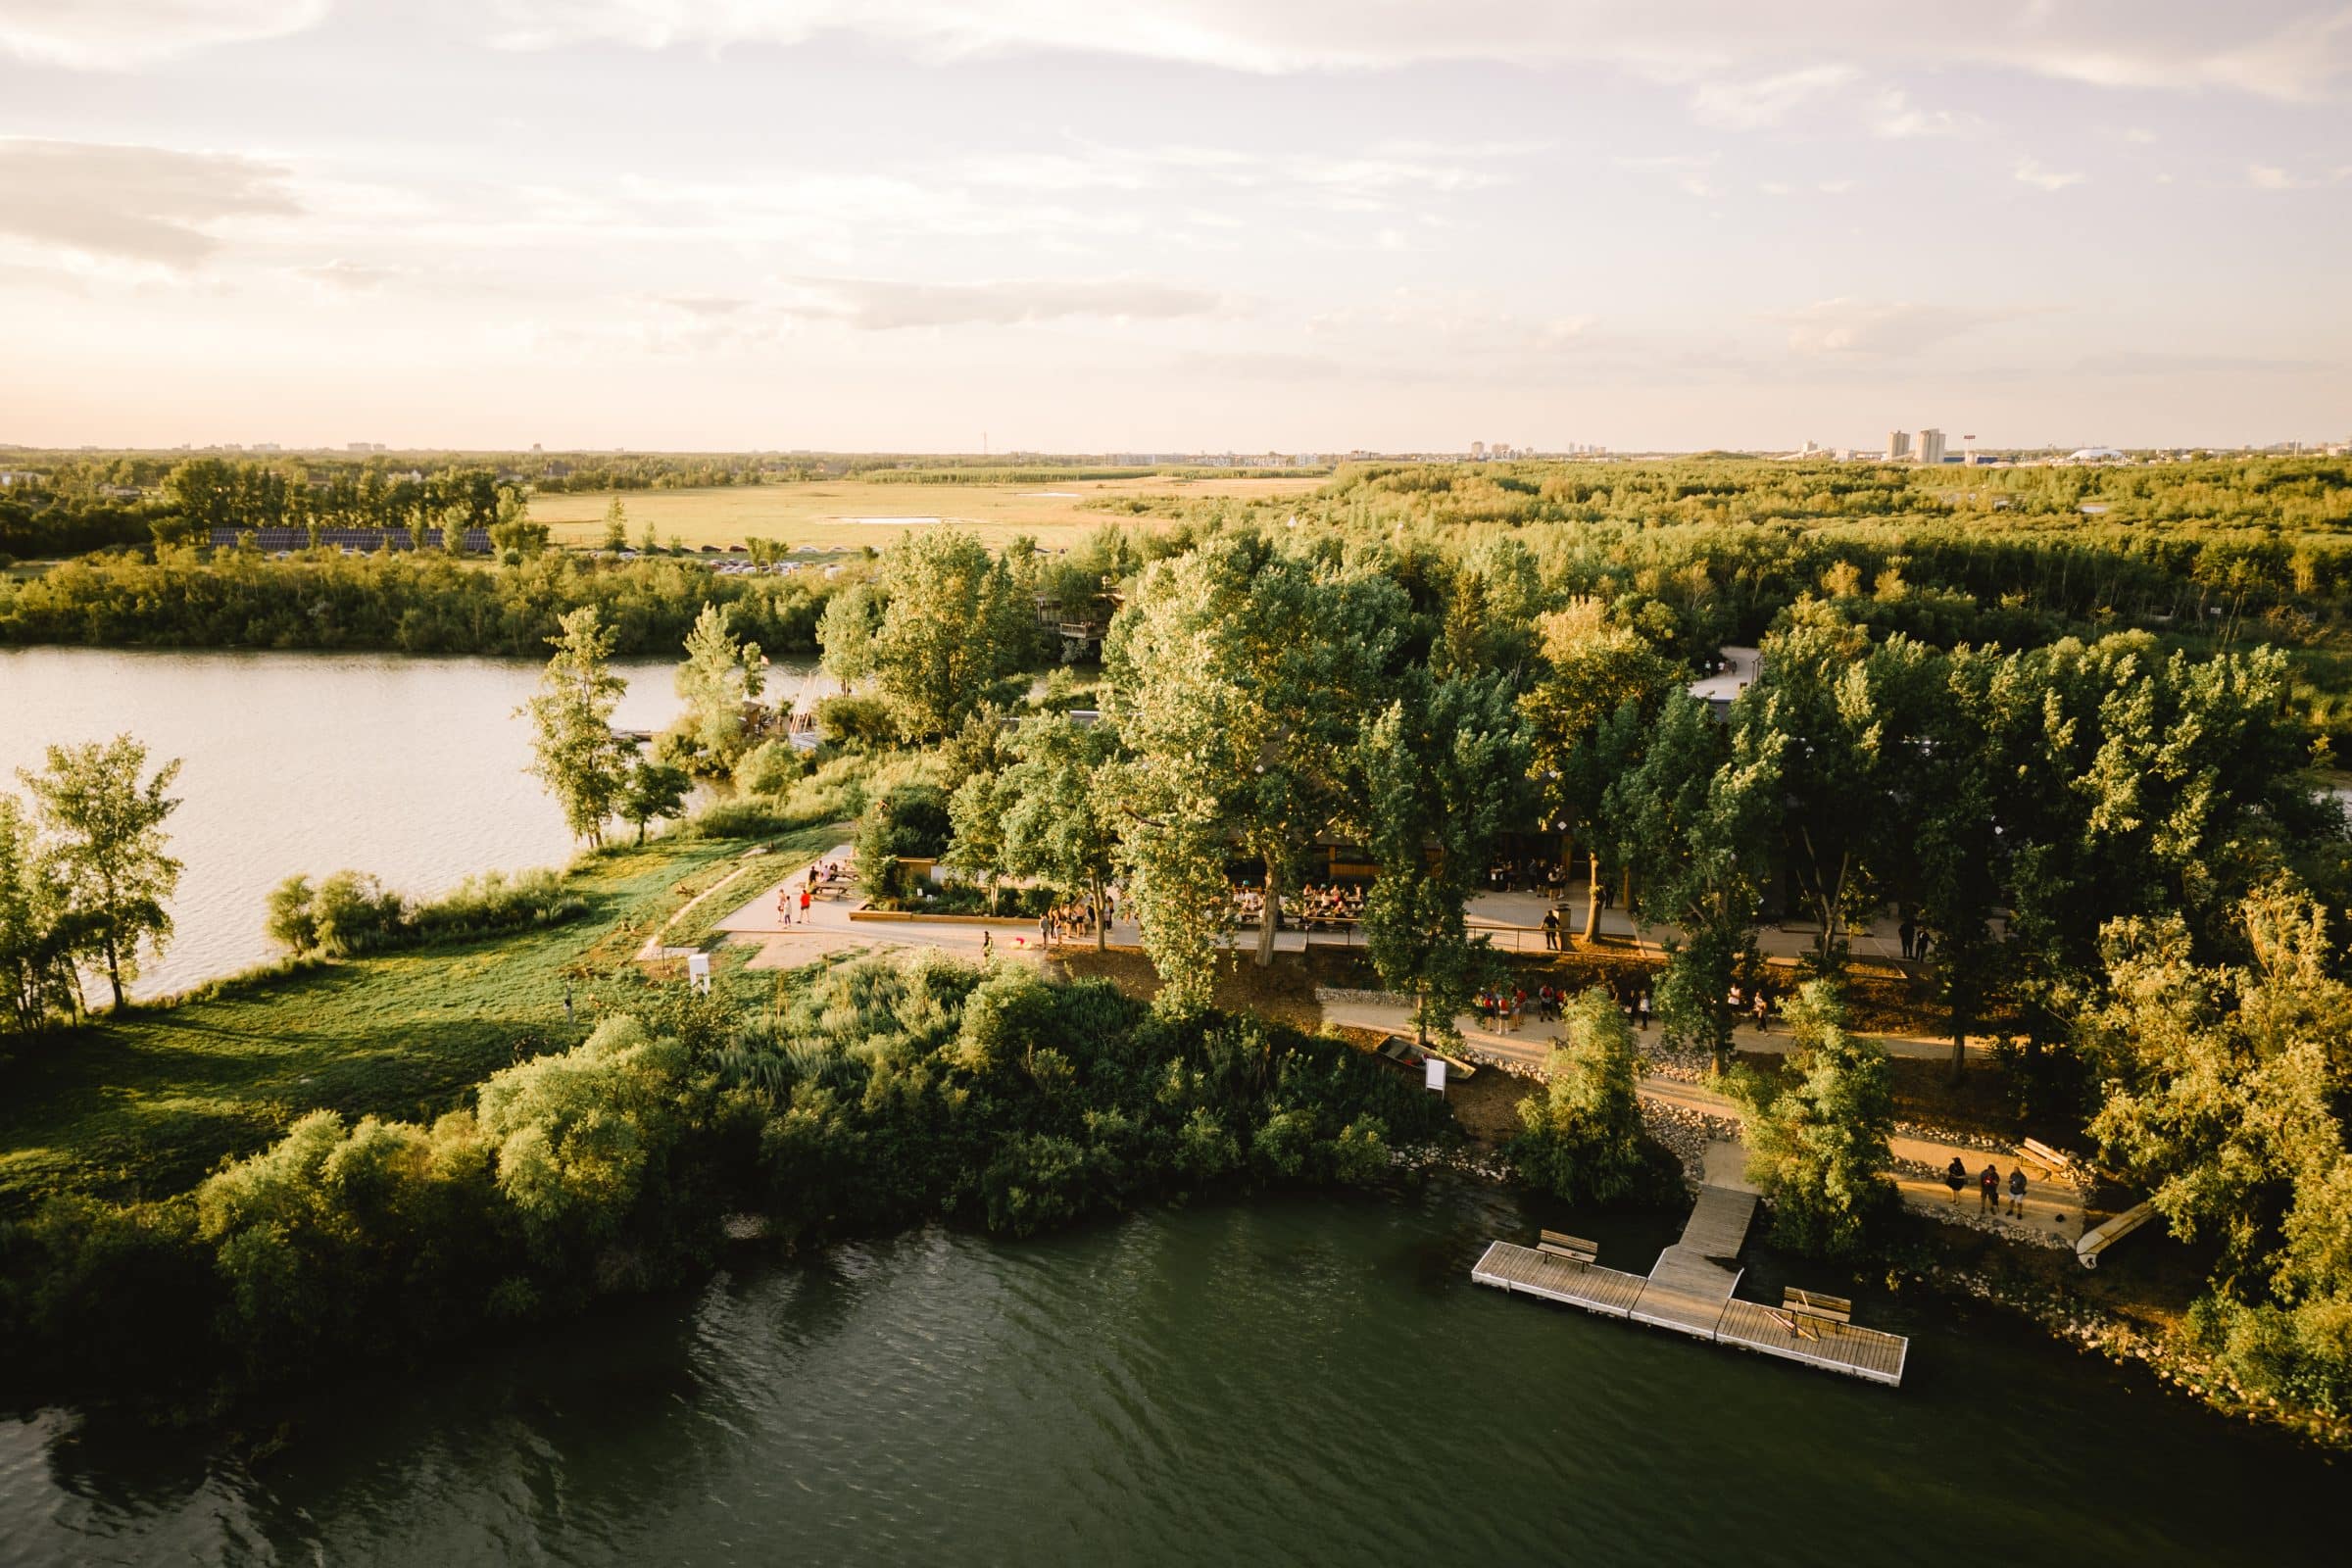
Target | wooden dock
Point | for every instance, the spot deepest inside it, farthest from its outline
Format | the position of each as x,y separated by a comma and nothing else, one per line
1690,1291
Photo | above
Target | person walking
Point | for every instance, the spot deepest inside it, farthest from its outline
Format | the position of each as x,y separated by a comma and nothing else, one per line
1044,932
1763,1011
1908,932
1919,949
1989,1187
1641,1010
803,905
2016,1190
1551,930
987,945
1955,1176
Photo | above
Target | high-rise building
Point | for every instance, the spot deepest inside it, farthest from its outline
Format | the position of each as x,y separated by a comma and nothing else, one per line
1930,446
1898,444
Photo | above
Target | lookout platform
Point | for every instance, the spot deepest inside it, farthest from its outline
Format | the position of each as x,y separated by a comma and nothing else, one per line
1690,1291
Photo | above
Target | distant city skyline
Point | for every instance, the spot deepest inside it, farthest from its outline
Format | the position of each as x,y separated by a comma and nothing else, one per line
1172,224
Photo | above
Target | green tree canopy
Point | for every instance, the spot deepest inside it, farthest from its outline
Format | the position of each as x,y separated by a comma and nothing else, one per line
109,849
574,750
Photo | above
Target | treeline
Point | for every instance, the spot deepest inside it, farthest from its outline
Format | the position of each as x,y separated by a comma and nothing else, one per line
2049,819
881,1094
423,603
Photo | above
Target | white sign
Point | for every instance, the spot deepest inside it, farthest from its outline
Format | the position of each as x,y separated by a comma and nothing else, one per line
1433,1070
698,971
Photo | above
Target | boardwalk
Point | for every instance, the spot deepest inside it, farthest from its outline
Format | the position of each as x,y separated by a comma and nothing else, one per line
1690,1291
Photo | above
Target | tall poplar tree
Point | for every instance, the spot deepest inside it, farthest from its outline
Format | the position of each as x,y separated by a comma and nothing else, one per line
574,750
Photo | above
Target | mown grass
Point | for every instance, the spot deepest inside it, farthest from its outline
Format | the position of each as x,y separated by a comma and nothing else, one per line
146,1106
809,513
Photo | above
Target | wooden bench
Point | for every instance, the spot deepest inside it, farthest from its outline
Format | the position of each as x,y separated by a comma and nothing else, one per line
2049,1159
1574,1249
1835,1308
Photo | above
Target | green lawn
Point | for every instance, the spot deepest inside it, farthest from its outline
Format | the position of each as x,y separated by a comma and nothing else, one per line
145,1107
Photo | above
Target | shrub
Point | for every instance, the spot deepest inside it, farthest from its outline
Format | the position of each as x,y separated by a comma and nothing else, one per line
772,768
350,913
857,723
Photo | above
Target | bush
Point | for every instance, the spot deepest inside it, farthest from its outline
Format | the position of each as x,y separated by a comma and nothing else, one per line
772,768
350,913
738,819
883,1092
857,723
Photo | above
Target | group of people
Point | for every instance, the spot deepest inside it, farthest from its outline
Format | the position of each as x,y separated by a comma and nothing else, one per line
1916,938
1504,1007
1067,921
1755,1006
1988,1186
819,871
1506,875
1314,907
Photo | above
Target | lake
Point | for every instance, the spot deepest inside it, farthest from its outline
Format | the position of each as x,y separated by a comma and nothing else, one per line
1292,1380
408,768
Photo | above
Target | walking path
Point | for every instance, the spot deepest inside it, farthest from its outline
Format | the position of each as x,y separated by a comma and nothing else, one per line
826,930
2049,1211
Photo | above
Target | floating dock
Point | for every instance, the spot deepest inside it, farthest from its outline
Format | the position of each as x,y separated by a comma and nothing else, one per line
1690,1291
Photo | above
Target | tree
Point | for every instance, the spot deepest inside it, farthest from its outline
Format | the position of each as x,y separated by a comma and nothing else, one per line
720,683
1594,670
1840,713
1582,1136
574,752
1245,674
617,527
108,847
952,629
653,791
37,935
977,831
1695,819
1442,777
2226,1089
1818,1147
1059,824
846,633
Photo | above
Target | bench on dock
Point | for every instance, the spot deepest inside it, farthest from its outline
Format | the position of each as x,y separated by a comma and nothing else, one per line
1835,1308
1574,1249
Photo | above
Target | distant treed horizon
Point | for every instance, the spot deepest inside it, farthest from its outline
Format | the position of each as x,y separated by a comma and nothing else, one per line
1172,227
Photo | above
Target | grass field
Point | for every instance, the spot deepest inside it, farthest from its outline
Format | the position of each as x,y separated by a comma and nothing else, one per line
145,1107
814,512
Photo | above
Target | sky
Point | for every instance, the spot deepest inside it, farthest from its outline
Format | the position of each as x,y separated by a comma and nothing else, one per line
1162,226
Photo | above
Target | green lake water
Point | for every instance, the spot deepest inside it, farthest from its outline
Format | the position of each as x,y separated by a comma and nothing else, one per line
1291,1380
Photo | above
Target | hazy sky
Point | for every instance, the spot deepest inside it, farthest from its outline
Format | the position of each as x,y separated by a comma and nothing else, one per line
1160,224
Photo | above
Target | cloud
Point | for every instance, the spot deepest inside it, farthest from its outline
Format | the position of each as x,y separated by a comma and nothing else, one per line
146,204
118,34
1767,99
2270,177
2030,171
2297,55
876,305
2134,362
342,273
1898,119
1842,327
